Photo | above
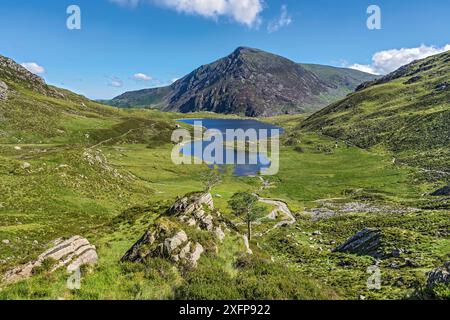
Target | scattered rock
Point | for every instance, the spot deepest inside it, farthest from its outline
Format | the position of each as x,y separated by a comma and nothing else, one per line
17,148
439,276
220,234
396,253
413,80
6,241
317,233
409,263
72,253
394,265
25,165
442,86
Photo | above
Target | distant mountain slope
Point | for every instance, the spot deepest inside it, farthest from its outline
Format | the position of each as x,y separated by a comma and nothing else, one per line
347,79
33,112
407,111
250,82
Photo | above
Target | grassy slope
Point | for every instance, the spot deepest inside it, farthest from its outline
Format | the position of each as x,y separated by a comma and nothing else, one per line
407,113
112,201
345,80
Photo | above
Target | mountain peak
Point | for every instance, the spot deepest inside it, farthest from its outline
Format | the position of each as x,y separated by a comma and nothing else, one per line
248,82
242,50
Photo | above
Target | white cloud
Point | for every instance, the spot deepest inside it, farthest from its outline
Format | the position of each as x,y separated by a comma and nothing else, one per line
174,80
246,12
142,77
115,82
283,20
33,67
384,62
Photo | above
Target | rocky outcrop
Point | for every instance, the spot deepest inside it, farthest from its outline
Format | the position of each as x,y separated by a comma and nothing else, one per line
3,90
366,242
168,237
190,203
166,241
439,276
13,72
191,210
72,254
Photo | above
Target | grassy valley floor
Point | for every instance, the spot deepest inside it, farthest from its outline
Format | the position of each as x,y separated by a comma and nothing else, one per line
112,176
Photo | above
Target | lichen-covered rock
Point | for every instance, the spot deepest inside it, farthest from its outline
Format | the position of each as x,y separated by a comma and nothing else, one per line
165,240
167,237
191,203
171,244
191,211
439,276
72,253
366,242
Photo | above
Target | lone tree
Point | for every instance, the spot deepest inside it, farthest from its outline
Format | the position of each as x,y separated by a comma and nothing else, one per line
246,207
210,179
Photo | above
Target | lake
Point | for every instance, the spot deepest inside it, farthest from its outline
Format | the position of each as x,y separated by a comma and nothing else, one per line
254,161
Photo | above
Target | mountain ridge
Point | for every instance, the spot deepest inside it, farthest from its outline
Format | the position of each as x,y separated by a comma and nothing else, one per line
250,82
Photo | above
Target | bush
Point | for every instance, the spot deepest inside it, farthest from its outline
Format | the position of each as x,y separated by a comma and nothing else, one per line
46,266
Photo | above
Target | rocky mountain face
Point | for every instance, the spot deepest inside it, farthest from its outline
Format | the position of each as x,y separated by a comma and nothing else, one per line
250,82
13,72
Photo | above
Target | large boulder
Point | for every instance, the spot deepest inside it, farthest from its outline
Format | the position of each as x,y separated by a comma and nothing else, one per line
72,254
366,242
439,276
445,191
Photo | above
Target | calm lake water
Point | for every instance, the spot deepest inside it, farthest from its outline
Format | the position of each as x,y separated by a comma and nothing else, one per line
196,148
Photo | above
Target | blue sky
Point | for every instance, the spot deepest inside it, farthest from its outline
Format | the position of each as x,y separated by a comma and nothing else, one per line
166,39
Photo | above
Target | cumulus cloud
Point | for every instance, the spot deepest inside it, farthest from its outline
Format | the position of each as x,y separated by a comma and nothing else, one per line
142,77
384,62
33,67
115,82
283,20
246,12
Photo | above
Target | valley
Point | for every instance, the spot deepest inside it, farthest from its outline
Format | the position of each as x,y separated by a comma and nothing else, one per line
70,166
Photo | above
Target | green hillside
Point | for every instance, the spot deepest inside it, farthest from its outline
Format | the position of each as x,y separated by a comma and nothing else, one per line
70,166
406,112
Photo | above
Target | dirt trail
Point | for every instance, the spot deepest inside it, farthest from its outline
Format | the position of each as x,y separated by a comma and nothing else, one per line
280,207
